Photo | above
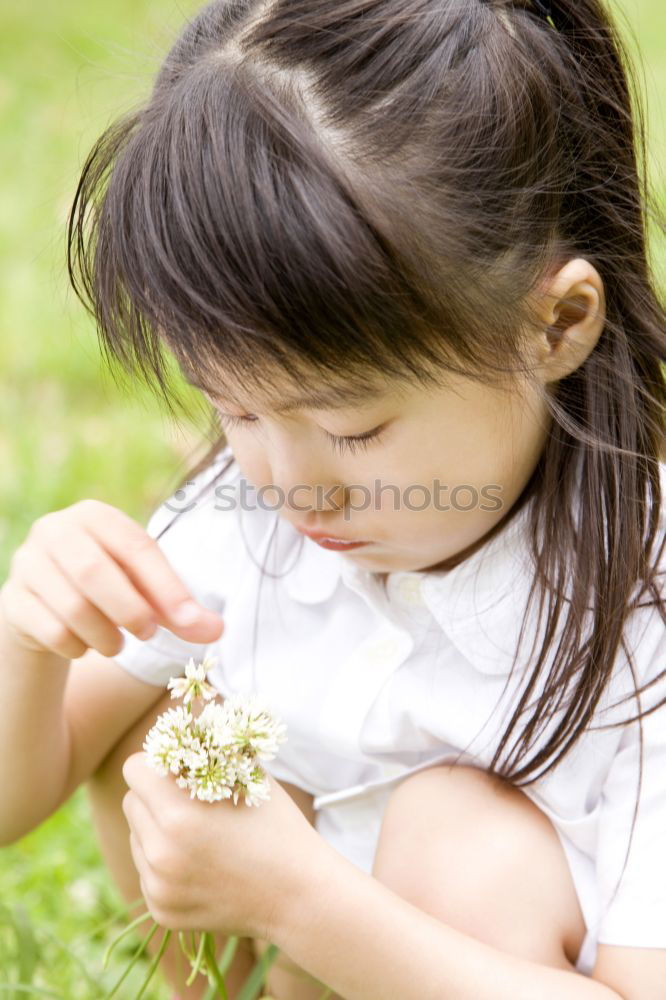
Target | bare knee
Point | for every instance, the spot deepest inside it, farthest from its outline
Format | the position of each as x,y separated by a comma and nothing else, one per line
479,855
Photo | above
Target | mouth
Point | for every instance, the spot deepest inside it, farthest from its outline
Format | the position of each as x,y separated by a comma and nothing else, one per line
331,542
338,544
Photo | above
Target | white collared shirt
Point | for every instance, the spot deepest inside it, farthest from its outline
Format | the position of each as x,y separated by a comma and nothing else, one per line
374,683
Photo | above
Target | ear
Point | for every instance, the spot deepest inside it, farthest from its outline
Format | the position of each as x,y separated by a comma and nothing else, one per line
572,314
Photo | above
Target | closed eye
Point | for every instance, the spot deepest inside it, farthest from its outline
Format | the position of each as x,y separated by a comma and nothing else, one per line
347,442
234,421
355,442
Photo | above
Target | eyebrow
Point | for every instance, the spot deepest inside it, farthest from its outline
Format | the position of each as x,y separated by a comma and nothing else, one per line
322,399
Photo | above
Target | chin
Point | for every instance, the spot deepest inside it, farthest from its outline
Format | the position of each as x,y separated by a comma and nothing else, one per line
382,562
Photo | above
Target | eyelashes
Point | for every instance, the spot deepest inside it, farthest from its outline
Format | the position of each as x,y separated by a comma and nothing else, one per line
352,443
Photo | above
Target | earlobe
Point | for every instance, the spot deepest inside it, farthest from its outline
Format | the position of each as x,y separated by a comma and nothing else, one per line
573,315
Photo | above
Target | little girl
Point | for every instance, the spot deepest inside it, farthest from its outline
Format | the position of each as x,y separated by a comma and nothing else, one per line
400,245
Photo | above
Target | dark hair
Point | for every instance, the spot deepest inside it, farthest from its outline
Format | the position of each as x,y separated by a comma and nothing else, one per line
367,186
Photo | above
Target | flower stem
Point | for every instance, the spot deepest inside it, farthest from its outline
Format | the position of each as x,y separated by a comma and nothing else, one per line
257,976
228,954
135,958
198,960
123,933
155,962
186,948
212,967
111,919
226,958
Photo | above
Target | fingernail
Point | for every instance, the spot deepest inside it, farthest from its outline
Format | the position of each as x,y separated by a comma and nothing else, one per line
147,632
186,613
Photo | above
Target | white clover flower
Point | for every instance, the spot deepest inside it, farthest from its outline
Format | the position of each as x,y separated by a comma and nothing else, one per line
216,754
193,684
213,778
252,726
167,738
213,723
252,781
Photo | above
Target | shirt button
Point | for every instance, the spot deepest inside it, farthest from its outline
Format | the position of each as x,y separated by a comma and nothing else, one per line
409,589
383,649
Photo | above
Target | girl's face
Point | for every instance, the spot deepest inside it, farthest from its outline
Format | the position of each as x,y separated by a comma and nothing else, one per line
419,473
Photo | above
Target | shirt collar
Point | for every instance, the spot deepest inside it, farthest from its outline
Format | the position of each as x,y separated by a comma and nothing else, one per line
479,604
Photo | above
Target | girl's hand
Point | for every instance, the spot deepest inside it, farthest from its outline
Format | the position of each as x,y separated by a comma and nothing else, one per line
87,569
214,866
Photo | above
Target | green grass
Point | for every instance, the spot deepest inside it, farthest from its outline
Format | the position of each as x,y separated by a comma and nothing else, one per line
67,431
56,877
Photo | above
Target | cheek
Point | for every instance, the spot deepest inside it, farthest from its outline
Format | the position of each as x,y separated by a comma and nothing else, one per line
469,456
251,458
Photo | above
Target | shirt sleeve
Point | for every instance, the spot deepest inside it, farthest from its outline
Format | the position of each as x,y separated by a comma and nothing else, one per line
198,532
635,915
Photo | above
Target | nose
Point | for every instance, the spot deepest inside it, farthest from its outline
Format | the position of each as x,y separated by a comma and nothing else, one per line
303,484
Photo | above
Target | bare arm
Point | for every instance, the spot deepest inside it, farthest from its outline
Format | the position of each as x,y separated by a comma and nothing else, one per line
81,573
64,720
363,940
34,749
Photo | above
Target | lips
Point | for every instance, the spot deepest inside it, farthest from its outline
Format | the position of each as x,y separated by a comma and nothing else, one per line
321,536
331,541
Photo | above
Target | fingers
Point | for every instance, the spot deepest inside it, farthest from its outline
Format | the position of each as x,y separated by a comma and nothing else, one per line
103,584
135,770
85,572
69,604
38,627
139,816
151,573
138,857
141,778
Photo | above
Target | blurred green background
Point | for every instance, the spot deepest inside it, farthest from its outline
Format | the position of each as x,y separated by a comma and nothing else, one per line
67,430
